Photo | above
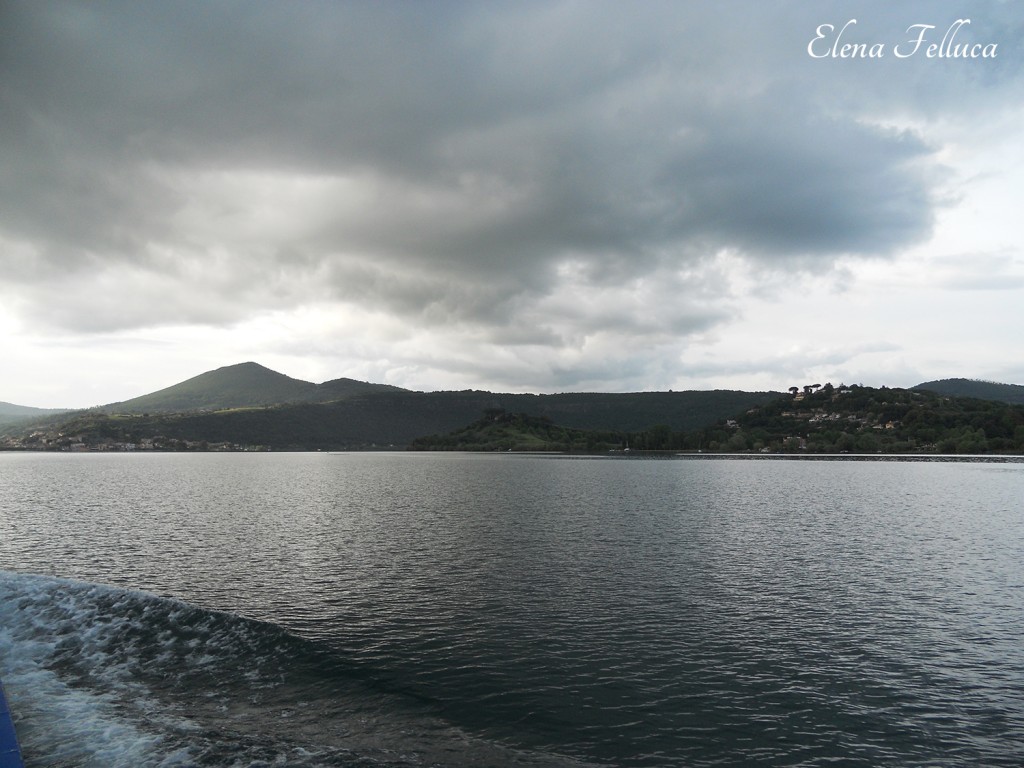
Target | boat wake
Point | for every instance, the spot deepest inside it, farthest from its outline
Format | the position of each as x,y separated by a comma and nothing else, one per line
101,676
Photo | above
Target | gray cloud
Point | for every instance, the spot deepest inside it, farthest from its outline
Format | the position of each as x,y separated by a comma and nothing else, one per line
445,162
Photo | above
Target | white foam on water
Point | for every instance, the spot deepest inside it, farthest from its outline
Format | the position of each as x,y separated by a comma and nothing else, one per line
78,661
60,722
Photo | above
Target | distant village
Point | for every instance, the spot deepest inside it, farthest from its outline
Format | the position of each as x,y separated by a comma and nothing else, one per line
48,441
822,415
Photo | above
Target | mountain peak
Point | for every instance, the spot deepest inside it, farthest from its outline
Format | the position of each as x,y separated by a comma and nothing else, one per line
241,385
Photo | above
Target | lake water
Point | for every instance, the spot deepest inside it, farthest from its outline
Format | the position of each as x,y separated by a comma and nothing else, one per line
482,610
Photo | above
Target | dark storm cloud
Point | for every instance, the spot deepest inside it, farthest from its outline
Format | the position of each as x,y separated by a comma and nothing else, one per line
460,155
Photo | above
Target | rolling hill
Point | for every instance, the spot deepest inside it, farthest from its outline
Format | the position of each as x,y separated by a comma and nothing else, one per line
383,419
250,405
849,420
981,390
244,385
12,414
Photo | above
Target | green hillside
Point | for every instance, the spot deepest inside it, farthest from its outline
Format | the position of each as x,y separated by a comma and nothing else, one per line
982,390
15,414
241,386
383,417
499,430
248,405
857,419
337,389
818,420
634,410
10,410
233,386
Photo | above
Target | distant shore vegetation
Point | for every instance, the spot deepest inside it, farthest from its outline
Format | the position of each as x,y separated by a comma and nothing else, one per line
812,419
857,419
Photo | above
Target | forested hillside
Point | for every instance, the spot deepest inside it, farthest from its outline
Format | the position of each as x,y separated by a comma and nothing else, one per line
248,406
983,390
376,419
241,386
857,420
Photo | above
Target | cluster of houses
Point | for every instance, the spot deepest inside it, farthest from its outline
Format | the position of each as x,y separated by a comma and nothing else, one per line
817,414
43,441
809,389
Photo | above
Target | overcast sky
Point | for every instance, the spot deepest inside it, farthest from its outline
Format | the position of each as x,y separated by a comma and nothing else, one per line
542,197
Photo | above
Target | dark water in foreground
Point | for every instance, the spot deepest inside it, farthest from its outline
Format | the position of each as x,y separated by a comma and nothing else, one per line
460,610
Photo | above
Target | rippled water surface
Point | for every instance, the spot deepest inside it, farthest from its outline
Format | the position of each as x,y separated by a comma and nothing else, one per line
448,609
